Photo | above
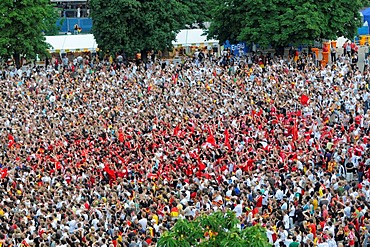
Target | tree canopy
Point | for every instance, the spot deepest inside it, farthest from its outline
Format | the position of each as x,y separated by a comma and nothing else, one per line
198,12
137,25
22,27
218,229
284,22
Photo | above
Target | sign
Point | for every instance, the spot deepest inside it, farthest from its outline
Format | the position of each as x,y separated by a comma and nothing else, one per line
236,48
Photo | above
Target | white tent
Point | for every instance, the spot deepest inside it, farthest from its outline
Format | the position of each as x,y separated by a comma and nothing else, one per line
86,42
71,43
193,37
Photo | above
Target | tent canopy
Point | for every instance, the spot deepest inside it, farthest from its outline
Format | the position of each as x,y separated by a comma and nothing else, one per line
192,37
70,43
86,42
366,15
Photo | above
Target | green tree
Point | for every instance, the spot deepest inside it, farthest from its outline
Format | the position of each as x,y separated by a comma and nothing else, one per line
283,22
218,229
135,26
199,12
22,27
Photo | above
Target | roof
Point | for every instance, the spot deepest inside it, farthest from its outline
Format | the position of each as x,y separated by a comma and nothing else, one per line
81,42
365,12
192,37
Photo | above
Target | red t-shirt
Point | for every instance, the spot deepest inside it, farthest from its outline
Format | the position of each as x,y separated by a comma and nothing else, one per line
259,202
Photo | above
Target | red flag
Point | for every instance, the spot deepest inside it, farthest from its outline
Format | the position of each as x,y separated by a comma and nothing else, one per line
123,173
120,157
179,161
253,113
121,137
84,152
110,172
11,141
58,165
211,139
3,172
295,130
194,155
10,137
201,165
304,99
176,130
152,176
227,140
259,113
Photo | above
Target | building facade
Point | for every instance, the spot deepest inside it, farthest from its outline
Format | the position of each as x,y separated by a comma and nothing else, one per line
74,16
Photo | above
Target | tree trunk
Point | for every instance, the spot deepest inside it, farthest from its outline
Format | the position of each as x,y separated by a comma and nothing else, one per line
17,60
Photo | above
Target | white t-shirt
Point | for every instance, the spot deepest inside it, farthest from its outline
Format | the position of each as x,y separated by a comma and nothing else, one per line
143,222
238,210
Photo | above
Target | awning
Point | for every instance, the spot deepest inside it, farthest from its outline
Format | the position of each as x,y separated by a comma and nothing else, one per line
71,43
193,37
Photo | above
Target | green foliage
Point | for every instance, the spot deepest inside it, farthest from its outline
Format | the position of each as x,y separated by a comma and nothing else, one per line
22,27
198,11
283,22
218,229
228,19
134,25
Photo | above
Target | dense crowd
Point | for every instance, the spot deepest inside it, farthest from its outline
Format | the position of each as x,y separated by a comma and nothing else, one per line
104,153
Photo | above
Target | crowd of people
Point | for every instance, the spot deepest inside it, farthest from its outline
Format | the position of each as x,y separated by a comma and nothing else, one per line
98,153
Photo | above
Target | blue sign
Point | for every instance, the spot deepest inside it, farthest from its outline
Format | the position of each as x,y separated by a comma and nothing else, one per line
68,24
363,30
236,48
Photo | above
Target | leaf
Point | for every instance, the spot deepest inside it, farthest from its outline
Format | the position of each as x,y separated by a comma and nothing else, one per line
22,27
210,230
139,25
282,22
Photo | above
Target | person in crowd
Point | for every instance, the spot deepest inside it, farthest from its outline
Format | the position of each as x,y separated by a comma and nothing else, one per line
112,153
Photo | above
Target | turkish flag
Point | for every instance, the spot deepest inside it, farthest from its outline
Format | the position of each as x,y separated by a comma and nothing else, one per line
304,99
11,141
3,172
110,172
152,176
10,137
121,137
295,130
227,140
176,130
201,165
58,165
179,161
211,139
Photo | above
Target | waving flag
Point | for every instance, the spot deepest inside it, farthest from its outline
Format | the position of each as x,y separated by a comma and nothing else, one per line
211,139
227,140
304,99
110,172
295,130
3,172
176,130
